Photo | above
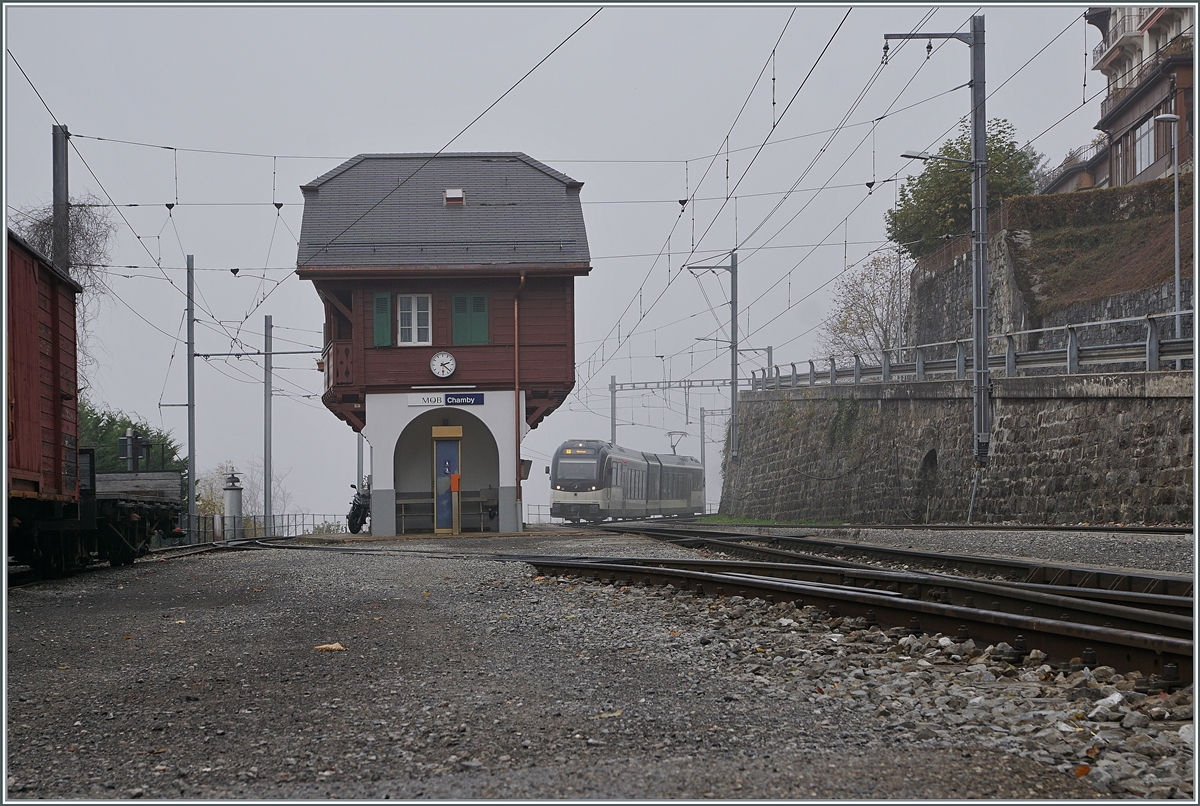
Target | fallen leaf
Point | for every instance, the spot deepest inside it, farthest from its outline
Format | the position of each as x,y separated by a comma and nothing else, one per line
674,632
378,618
257,590
181,621
608,714
334,647
1082,770
1092,752
424,593
160,751
127,636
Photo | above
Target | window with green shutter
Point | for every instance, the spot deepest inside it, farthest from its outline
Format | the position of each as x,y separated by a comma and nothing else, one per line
469,318
383,320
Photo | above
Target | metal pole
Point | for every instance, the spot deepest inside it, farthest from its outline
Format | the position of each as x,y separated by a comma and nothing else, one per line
360,459
62,201
191,384
1178,306
612,408
733,357
979,206
703,466
267,510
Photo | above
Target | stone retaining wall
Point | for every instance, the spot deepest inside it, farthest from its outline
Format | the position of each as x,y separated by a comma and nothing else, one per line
1102,448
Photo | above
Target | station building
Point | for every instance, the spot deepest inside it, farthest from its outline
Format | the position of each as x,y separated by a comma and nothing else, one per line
448,286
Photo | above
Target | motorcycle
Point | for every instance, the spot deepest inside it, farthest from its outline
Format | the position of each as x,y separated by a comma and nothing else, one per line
360,508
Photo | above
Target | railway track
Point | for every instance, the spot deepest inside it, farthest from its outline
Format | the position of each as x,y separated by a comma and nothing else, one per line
1130,620
1127,587
1168,660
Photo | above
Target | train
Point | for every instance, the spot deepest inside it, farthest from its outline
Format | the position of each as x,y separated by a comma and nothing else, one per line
592,481
61,514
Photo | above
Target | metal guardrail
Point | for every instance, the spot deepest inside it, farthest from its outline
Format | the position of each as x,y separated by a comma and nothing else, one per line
1149,353
209,528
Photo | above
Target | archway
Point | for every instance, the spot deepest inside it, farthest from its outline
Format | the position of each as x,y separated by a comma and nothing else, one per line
479,469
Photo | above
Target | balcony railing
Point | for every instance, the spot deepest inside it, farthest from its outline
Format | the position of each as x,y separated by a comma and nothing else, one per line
1126,26
1076,157
1180,46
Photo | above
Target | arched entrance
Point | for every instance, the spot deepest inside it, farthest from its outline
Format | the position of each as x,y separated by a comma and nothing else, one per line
478,460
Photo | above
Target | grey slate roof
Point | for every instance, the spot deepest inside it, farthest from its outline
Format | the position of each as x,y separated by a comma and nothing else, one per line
383,210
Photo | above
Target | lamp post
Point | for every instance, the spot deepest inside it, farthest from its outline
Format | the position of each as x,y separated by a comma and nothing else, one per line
1173,120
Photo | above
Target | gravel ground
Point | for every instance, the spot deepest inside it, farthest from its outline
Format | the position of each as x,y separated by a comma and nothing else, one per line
462,677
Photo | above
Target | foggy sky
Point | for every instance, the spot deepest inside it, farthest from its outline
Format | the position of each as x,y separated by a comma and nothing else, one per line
637,106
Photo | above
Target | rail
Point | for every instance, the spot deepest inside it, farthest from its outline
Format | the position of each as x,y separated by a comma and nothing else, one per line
929,359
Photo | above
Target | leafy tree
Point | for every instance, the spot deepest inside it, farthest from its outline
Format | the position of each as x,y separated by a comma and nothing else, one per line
937,202
91,233
101,427
866,317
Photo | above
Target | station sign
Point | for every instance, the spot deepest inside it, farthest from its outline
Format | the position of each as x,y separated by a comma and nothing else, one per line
430,399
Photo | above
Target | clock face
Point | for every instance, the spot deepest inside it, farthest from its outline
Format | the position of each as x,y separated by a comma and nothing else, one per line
442,364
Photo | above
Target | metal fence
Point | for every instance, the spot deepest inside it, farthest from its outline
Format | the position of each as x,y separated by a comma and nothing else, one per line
214,528
1085,344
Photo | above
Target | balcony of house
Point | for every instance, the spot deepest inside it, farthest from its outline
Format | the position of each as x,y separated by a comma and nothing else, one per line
1078,161
1179,49
1123,31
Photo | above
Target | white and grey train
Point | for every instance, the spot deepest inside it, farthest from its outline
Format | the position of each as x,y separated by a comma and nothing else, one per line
592,480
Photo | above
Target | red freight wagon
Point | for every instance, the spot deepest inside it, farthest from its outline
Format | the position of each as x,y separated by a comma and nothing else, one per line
41,360
58,520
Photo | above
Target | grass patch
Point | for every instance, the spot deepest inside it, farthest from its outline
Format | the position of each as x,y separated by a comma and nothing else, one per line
1078,263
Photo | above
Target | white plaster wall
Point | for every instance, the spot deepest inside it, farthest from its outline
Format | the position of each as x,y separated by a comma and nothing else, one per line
389,414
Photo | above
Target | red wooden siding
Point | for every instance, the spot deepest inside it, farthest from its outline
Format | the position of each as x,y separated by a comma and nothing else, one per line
42,439
354,366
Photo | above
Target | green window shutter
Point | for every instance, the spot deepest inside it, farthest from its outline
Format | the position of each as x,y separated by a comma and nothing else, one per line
383,320
479,319
460,319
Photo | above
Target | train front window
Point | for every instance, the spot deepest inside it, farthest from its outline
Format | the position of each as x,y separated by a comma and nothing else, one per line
576,470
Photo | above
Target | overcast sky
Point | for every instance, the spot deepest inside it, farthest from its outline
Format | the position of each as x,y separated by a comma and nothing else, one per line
227,110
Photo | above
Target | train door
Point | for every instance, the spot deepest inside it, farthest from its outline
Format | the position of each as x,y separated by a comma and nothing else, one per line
653,486
447,451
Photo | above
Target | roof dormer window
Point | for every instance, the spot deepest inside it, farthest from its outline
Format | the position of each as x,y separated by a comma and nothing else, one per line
454,197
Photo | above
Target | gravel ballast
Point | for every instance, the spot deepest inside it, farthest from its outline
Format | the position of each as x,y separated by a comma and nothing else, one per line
463,677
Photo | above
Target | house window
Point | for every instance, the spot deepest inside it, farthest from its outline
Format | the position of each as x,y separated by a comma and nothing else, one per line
412,319
1143,146
469,318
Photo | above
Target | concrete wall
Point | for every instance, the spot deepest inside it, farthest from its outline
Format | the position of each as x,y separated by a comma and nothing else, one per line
1065,449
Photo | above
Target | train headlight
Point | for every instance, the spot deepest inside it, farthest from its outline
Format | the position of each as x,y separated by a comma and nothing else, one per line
593,489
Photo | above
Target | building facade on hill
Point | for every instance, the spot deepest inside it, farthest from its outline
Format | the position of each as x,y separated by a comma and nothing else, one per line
448,285
1146,57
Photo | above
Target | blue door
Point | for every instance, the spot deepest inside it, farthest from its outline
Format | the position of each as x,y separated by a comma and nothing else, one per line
445,461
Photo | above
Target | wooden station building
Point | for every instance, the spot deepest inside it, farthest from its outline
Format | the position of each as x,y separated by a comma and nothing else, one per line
448,285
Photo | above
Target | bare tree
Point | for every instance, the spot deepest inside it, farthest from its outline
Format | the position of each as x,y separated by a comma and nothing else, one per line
92,233
210,489
867,309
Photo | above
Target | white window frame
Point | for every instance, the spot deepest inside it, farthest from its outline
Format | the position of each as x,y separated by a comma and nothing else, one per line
414,327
